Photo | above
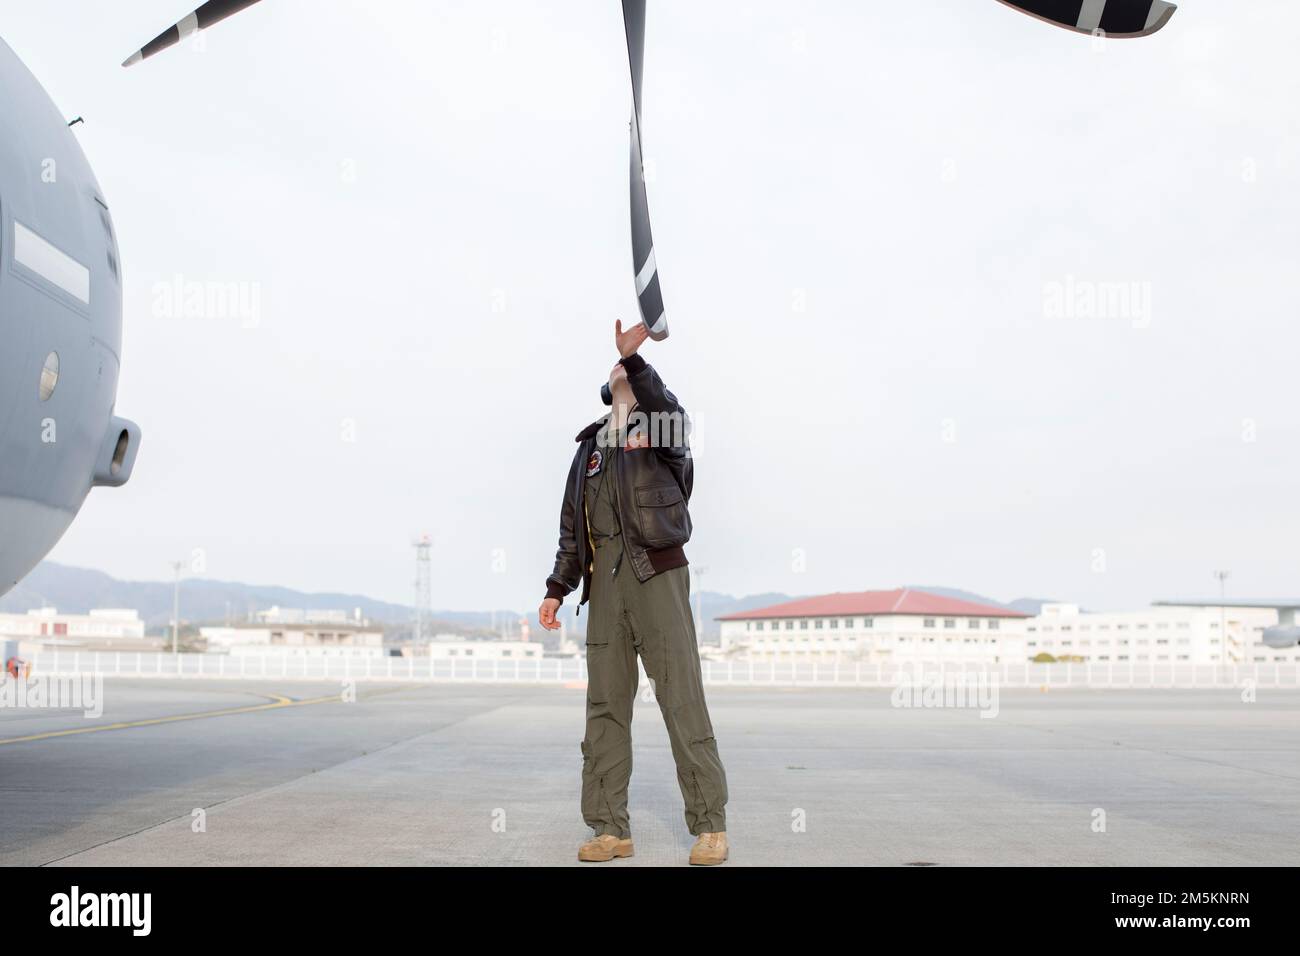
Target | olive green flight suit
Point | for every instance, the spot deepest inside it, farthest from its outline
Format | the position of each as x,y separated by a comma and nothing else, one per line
653,620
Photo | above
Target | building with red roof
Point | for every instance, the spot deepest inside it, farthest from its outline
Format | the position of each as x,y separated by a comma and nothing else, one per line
897,626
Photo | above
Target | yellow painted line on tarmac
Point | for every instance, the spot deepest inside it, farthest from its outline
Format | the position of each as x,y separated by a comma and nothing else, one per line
277,703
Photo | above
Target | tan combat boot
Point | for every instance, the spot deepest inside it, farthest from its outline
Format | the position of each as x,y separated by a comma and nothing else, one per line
604,848
710,849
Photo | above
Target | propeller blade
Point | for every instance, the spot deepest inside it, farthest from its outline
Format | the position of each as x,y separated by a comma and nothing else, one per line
648,294
1114,18
214,11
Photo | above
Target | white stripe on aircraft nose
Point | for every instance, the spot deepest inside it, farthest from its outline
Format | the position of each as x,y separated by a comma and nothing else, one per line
1157,11
647,272
51,263
189,25
1090,14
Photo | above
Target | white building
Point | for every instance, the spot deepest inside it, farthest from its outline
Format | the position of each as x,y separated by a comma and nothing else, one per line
904,625
105,629
444,647
1157,634
295,640
297,615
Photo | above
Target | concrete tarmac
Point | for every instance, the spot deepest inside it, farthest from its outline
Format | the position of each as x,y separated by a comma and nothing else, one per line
286,773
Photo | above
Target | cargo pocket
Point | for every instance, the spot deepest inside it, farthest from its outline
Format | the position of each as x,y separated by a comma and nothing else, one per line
598,670
661,511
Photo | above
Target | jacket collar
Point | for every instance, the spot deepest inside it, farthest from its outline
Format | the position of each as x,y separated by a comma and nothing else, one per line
590,430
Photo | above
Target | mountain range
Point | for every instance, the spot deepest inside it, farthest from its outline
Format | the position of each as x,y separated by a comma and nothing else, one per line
78,590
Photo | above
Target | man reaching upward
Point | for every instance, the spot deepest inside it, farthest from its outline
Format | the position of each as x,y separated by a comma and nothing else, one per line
623,523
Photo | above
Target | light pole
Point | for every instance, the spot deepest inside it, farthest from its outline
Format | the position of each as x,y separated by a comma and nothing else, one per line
700,571
1223,612
423,588
176,606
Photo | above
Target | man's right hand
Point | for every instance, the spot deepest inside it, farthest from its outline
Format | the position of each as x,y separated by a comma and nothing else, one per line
628,342
546,614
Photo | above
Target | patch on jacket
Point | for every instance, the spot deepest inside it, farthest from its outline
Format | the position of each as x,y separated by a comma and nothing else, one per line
594,462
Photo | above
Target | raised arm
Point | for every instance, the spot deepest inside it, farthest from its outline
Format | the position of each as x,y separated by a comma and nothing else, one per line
669,423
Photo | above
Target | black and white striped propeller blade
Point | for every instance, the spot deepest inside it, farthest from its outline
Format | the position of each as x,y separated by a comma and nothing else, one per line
644,268
1114,18
648,294
214,11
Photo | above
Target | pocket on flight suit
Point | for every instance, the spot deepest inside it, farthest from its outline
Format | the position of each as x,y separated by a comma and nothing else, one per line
598,670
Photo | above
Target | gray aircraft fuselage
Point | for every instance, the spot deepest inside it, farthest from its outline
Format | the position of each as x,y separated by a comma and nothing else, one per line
60,328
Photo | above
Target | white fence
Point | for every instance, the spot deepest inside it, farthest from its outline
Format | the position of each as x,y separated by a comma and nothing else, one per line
739,673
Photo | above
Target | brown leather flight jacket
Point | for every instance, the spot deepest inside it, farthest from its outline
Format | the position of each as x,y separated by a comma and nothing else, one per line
653,478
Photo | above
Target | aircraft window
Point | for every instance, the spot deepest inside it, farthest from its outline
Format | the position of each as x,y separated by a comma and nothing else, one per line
51,264
49,376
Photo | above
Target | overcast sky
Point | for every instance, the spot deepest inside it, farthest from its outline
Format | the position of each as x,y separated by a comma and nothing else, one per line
877,226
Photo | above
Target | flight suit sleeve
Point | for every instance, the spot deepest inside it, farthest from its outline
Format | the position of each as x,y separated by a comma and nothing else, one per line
670,425
567,574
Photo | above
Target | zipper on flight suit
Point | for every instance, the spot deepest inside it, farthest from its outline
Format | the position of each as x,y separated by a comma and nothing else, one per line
591,543
618,504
